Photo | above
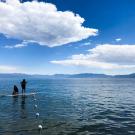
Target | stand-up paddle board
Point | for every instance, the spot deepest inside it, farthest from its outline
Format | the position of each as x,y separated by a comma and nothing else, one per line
24,94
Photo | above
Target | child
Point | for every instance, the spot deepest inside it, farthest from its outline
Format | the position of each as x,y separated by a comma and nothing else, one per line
15,90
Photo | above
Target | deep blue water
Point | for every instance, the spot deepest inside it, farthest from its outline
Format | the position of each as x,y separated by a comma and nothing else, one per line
69,107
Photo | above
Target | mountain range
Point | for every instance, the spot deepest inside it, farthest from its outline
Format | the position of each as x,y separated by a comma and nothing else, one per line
81,75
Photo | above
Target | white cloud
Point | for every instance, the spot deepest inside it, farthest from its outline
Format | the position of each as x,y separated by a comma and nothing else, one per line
21,45
42,23
118,39
7,69
104,57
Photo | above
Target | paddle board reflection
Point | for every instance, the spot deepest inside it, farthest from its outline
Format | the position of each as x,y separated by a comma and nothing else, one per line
23,113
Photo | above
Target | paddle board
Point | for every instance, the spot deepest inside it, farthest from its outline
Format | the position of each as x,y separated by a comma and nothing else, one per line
24,94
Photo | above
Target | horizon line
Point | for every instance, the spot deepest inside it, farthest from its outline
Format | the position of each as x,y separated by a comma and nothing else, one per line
32,74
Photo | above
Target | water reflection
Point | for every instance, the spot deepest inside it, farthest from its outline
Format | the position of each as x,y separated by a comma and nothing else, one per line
20,101
14,109
23,112
73,106
15,100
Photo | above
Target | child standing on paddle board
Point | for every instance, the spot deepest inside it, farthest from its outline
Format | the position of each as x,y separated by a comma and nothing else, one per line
23,85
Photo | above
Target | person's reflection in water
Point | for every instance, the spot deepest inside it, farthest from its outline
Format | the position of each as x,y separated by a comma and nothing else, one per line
15,108
15,100
23,107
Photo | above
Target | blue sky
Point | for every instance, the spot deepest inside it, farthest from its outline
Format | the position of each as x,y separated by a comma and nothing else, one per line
41,38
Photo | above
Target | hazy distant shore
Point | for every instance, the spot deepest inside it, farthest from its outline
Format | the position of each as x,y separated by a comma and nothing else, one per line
81,75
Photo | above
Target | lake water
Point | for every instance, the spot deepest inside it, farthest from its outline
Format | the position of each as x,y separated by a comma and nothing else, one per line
69,107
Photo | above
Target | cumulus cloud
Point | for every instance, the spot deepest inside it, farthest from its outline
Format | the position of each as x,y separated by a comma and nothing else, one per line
21,45
42,23
106,56
7,69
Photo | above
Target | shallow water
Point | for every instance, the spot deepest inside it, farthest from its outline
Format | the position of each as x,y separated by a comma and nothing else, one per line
69,107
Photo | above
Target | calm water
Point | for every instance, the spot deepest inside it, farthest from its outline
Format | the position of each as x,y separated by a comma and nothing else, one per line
69,107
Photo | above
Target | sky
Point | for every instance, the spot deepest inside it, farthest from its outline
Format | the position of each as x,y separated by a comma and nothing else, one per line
67,36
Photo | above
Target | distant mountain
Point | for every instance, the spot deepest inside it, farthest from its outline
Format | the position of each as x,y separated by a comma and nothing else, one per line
125,76
82,75
89,75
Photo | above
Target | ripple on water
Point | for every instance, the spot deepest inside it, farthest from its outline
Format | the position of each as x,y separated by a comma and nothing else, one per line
71,107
